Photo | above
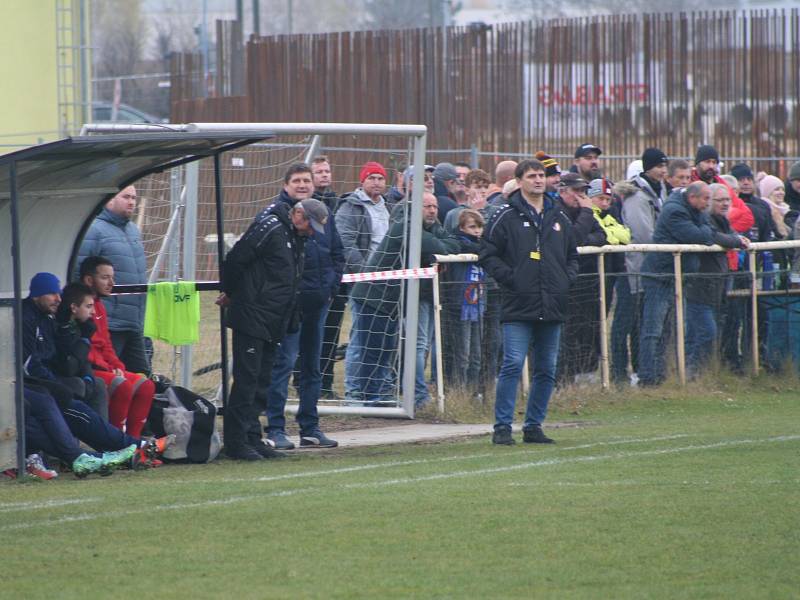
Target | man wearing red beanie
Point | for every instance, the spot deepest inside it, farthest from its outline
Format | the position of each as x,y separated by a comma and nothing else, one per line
362,220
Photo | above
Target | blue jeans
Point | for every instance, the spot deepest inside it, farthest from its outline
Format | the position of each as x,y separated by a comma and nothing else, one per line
517,338
380,346
355,349
701,331
658,298
307,343
626,323
424,332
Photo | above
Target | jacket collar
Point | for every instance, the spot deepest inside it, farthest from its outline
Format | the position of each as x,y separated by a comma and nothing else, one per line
114,219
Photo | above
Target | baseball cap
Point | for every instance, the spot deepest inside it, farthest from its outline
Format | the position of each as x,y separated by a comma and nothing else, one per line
573,180
316,212
445,171
585,149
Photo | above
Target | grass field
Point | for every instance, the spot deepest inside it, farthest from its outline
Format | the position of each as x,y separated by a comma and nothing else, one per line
652,498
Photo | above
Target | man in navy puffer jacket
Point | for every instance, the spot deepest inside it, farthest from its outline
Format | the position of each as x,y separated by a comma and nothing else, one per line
322,274
114,236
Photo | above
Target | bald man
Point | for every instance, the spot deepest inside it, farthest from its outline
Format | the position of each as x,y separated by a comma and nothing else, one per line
503,173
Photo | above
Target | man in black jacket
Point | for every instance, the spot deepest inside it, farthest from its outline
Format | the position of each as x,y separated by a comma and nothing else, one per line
529,248
580,349
260,280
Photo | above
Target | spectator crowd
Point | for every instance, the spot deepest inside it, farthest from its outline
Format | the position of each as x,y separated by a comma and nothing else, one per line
529,295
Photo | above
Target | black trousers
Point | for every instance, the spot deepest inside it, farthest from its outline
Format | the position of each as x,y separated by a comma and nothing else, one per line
252,372
330,339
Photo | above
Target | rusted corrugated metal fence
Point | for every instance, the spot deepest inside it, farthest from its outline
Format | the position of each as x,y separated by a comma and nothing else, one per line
622,82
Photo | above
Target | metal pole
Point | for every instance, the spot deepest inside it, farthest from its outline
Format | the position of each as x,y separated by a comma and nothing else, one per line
19,401
204,46
86,113
290,16
473,156
223,334
412,300
754,308
257,17
189,254
679,333
313,149
604,370
437,332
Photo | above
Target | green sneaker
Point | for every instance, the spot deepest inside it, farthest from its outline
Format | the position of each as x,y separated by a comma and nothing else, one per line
86,464
120,458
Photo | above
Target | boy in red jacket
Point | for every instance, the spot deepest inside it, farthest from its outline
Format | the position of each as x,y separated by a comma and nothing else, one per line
131,394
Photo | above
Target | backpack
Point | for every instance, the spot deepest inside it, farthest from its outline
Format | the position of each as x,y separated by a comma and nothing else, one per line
193,421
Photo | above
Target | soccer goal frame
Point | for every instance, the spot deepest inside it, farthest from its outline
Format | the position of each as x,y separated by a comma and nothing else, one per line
410,305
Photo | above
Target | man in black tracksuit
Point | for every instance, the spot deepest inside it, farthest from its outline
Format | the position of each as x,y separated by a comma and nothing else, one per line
260,280
529,248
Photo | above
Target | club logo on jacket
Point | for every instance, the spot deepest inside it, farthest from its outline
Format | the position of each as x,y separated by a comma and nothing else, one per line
556,227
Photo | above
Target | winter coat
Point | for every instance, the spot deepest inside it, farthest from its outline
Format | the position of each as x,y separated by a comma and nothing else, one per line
446,201
587,233
678,223
384,296
640,209
762,230
118,239
102,355
328,197
323,264
740,216
534,265
354,225
261,275
792,196
73,345
38,341
711,290
616,232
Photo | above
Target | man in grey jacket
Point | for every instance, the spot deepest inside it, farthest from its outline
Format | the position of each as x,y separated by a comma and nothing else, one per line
362,220
114,236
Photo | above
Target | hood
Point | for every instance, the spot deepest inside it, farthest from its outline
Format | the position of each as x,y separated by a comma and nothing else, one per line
625,189
359,197
439,188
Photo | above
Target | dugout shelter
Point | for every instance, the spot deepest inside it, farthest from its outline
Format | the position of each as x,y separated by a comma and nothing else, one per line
50,193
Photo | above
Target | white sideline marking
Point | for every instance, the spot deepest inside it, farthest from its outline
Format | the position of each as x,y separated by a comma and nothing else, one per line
404,463
400,481
15,506
634,482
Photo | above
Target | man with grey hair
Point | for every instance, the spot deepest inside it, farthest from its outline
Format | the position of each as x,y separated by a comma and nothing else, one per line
683,220
705,295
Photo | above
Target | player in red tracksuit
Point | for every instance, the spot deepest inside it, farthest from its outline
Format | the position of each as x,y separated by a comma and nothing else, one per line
130,394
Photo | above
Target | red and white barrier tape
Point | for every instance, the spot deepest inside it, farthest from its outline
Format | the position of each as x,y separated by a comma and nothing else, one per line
422,273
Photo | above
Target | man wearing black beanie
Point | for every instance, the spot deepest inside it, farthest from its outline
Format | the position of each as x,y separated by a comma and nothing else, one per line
706,160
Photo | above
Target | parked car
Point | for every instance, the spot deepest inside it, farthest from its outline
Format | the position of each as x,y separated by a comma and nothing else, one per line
102,110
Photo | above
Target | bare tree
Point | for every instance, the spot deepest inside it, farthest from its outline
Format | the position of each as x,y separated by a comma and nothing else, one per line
120,36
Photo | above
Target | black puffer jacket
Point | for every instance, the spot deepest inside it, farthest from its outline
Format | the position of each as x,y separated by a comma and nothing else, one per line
261,275
534,267
588,232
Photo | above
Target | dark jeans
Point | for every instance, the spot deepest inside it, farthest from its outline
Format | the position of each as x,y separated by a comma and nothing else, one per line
380,345
94,394
701,332
306,344
658,298
252,371
580,342
517,339
129,346
45,428
491,337
627,317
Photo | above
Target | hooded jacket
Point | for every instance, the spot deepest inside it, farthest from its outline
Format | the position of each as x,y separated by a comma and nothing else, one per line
261,275
534,263
640,209
446,201
354,224
587,231
38,341
118,239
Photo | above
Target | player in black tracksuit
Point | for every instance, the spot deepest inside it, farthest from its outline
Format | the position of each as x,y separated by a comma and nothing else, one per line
260,279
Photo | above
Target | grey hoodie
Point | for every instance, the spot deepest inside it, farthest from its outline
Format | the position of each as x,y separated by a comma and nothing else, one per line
640,209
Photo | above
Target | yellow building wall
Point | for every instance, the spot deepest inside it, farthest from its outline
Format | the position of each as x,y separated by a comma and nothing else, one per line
28,77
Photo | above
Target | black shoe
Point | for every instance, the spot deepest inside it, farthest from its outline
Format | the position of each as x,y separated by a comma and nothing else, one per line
502,437
316,439
264,450
329,395
242,452
535,435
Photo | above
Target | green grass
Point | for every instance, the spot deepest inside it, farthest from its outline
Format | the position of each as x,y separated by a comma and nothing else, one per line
658,497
